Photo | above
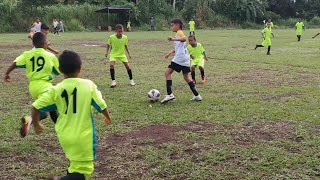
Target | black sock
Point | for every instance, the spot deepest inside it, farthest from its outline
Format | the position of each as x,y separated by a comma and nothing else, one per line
194,33
202,73
129,73
54,116
193,75
169,84
299,38
193,88
112,73
269,48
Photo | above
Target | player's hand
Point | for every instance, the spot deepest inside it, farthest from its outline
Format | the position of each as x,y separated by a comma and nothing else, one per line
56,52
191,57
167,56
106,55
38,128
7,78
130,57
170,39
206,59
107,121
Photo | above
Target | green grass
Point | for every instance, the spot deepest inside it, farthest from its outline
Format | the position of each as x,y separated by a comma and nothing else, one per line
259,118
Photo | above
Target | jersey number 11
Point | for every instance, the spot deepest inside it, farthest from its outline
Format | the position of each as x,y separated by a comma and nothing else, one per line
66,97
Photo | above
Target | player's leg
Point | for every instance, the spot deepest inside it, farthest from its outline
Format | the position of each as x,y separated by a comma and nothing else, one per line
168,75
203,78
258,45
112,73
269,49
192,86
193,73
126,64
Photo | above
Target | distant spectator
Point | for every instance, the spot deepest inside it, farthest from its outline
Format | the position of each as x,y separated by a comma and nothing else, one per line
128,26
61,26
55,26
153,24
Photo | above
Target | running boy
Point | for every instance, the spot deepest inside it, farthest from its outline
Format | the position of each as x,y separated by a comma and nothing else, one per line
266,33
198,55
40,66
192,25
116,46
75,129
299,28
180,62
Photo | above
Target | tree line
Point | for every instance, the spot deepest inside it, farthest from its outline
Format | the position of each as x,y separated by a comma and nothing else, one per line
17,15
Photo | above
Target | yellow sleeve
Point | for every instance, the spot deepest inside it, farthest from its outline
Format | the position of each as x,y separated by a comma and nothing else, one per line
21,61
180,34
55,68
46,102
202,48
97,101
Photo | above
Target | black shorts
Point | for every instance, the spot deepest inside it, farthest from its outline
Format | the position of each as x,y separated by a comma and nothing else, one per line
178,68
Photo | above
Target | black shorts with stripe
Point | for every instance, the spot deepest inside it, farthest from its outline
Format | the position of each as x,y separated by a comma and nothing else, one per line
178,68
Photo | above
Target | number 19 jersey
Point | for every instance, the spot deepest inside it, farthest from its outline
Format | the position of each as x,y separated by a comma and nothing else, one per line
73,99
39,64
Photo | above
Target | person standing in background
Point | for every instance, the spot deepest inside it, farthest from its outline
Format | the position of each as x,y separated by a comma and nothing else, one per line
153,24
61,26
192,28
55,26
129,26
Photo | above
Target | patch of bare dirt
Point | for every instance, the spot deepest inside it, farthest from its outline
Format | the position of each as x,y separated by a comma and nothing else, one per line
263,132
281,98
272,78
8,46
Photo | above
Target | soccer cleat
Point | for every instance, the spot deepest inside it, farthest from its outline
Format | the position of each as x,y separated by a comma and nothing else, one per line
256,47
113,84
168,98
197,98
25,125
203,80
268,54
131,82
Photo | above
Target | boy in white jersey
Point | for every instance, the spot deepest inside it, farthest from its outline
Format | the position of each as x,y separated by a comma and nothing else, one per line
180,62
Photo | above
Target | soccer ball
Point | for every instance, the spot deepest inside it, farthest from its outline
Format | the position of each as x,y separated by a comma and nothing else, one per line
154,95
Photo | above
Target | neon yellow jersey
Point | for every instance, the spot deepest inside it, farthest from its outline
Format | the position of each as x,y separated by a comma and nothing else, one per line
299,26
73,98
129,25
192,25
267,33
196,52
39,64
118,45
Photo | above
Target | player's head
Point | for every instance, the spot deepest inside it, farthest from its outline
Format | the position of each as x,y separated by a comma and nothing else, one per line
39,40
192,40
299,19
176,25
70,64
119,29
269,20
37,19
45,29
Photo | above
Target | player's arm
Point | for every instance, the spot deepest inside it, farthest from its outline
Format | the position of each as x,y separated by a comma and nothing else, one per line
107,50
272,35
7,74
170,54
181,38
316,35
205,56
107,117
127,49
52,50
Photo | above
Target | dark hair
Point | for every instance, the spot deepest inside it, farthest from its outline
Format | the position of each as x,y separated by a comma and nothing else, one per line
38,40
44,27
118,27
70,62
178,21
193,36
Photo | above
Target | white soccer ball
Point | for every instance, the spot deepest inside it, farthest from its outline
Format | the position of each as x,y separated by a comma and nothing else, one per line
154,95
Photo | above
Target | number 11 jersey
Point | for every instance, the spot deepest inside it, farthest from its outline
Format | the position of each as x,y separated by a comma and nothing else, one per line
73,99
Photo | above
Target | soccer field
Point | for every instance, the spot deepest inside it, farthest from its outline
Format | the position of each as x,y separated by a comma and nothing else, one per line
259,118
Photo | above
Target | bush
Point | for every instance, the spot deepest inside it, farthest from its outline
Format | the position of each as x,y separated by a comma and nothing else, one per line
271,15
74,25
251,25
315,21
286,23
219,21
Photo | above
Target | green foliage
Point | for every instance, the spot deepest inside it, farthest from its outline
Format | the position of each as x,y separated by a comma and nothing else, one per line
315,21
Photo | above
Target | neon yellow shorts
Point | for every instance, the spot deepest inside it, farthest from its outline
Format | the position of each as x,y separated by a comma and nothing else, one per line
37,88
83,167
119,59
197,63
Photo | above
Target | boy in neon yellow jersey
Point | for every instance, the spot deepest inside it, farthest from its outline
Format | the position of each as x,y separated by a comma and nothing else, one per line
192,28
40,66
299,28
116,46
266,33
198,55
180,62
75,129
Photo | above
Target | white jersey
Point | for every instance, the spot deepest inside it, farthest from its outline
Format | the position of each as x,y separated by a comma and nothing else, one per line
55,24
182,56
37,27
